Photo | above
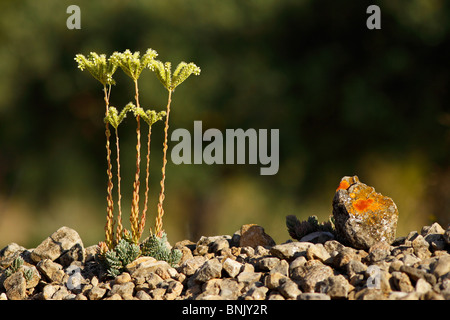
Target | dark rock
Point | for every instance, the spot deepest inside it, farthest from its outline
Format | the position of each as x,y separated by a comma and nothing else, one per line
400,281
51,270
420,246
337,287
318,237
441,266
313,296
253,235
362,216
289,289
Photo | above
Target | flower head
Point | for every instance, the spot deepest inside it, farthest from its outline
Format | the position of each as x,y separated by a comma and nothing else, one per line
99,67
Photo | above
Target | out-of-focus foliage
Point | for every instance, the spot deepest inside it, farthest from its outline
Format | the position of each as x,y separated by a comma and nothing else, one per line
347,101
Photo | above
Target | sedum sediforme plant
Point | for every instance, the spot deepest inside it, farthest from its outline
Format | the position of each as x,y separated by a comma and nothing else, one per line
133,65
103,69
123,247
170,81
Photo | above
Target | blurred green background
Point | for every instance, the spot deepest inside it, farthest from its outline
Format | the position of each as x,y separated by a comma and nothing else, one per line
347,101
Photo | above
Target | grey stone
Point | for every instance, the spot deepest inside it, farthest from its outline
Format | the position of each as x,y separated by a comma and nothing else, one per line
410,259
275,295
201,250
232,267
261,251
275,280
422,286
344,256
15,286
173,290
142,295
76,253
313,296
355,267
122,278
158,293
370,294
206,241
267,263
435,228
61,294
298,262
51,270
230,289
413,273
395,265
248,277
209,270
219,244
90,252
290,250
57,244
190,266
256,293
145,267
115,296
378,252
312,274
420,246
153,280
49,290
289,289
281,267
96,293
9,253
212,287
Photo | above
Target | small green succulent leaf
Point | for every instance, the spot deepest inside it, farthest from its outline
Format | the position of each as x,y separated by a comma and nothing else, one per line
163,72
132,63
151,116
182,72
115,118
157,248
98,66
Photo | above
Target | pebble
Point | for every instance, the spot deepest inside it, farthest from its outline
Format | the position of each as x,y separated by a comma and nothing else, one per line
15,286
253,235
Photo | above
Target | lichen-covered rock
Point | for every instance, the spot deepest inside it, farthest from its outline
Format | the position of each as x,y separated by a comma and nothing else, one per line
362,216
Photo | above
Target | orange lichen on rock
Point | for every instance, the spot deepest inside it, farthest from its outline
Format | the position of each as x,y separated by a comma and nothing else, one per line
343,185
362,204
